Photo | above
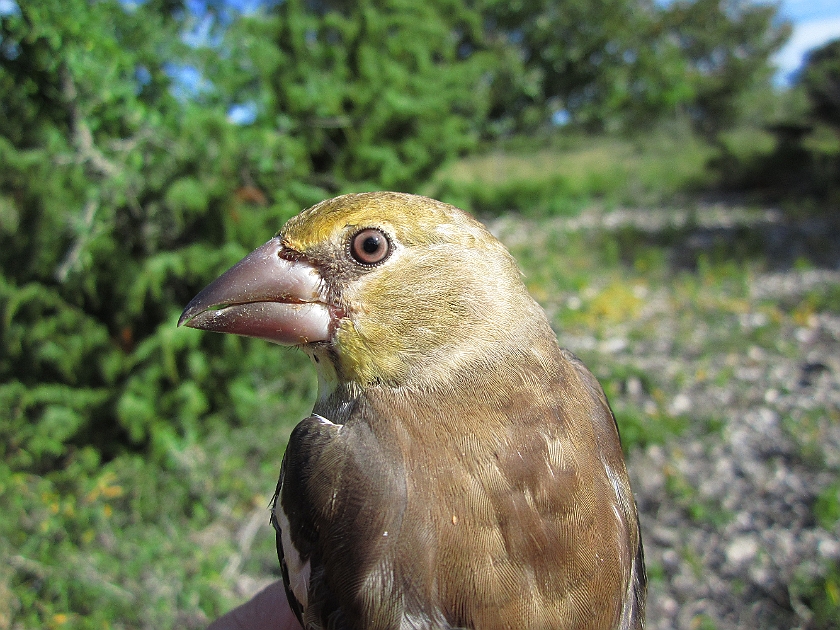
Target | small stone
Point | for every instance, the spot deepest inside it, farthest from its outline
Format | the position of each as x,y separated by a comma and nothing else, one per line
670,560
680,405
805,335
829,548
669,606
613,345
634,387
665,536
741,550
755,353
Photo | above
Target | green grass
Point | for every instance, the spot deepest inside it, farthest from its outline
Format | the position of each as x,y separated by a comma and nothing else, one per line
821,594
560,180
150,540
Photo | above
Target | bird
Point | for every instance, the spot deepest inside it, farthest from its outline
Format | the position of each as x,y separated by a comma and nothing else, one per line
459,468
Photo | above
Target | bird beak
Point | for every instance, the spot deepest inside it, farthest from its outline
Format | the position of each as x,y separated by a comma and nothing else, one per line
266,296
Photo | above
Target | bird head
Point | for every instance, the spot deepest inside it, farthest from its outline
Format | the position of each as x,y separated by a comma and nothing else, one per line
378,288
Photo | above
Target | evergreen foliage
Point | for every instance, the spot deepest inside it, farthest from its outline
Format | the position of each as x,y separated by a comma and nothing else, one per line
797,161
378,93
821,80
606,63
117,203
726,46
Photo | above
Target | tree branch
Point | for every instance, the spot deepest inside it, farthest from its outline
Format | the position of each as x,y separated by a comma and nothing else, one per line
82,237
82,136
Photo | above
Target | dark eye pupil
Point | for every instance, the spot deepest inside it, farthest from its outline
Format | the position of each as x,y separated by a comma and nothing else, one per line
371,244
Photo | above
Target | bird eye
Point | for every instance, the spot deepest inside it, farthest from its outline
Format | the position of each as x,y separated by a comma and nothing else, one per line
370,246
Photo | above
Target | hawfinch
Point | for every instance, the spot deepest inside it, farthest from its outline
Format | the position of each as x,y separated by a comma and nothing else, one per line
459,469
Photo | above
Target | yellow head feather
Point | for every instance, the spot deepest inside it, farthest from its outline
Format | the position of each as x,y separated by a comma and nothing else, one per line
449,292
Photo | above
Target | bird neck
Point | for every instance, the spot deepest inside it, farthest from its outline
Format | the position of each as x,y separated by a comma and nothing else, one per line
488,369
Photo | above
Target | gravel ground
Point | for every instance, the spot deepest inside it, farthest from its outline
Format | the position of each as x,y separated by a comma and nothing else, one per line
738,567
727,506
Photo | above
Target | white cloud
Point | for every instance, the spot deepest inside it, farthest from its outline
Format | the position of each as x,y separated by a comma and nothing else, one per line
806,35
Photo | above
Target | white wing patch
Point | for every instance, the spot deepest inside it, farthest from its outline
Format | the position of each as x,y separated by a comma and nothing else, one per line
298,570
628,603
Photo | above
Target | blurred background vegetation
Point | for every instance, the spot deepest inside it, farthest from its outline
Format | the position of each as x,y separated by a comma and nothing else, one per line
146,146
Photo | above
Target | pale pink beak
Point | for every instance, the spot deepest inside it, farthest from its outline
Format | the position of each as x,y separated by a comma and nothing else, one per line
264,295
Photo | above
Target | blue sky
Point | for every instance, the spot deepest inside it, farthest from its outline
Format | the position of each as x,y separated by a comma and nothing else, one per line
814,23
